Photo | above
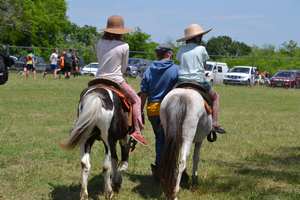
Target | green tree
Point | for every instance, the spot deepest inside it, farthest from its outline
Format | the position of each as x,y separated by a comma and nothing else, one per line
140,44
289,48
225,46
32,22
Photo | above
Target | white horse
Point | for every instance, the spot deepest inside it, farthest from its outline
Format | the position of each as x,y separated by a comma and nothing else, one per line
185,121
101,117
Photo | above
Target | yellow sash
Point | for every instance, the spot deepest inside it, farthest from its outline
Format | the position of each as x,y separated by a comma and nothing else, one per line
153,109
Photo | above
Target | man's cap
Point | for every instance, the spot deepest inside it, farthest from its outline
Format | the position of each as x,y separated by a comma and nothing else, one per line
164,48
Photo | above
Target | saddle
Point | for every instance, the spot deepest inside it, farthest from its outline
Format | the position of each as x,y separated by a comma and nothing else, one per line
208,102
101,83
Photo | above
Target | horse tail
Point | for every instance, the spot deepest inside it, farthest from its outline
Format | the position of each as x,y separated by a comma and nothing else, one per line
174,112
90,107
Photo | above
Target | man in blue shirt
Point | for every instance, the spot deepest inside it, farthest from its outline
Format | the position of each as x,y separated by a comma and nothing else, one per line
159,78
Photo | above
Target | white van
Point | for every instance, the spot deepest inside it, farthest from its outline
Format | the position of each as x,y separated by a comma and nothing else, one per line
215,71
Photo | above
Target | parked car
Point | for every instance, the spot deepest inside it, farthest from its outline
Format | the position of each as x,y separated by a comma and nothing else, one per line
215,71
242,75
286,78
90,69
137,66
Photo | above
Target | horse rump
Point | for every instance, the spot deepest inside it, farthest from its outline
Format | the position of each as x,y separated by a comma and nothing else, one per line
173,112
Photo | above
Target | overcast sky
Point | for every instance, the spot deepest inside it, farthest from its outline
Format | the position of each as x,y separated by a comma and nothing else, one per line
256,22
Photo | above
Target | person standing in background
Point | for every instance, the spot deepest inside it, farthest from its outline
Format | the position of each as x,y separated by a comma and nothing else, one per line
53,62
68,61
30,64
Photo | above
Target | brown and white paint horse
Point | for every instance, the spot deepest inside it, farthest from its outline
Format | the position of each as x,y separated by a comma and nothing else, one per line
101,117
185,121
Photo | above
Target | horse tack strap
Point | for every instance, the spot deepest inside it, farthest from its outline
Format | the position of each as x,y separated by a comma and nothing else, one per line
207,108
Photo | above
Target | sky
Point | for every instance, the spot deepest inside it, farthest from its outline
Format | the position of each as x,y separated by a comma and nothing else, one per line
255,22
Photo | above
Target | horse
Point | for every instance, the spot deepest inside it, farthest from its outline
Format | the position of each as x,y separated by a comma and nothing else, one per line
185,121
101,117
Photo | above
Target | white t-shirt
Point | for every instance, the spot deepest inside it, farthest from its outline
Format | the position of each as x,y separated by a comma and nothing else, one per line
53,58
192,58
113,59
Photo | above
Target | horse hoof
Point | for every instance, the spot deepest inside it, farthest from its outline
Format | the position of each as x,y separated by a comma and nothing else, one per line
195,181
84,196
117,184
123,166
109,195
116,187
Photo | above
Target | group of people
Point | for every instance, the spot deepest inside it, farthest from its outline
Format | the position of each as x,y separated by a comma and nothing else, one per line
65,63
159,78
262,78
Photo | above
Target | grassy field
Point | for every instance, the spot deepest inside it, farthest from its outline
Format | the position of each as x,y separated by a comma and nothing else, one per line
259,158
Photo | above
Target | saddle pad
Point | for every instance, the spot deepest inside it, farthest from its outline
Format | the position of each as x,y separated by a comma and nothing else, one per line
198,88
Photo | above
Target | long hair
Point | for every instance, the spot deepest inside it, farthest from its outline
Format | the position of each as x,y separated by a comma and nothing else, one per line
175,113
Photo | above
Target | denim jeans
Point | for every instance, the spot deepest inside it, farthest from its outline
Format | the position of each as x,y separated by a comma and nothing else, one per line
159,137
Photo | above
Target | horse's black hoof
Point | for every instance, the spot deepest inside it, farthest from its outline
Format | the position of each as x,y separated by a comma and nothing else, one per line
195,181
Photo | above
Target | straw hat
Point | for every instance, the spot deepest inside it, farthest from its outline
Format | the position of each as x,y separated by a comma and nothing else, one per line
115,25
192,31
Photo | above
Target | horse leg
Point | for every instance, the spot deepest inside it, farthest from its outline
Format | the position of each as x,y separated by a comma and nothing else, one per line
123,166
85,150
184,153
107,170
116,176
196,159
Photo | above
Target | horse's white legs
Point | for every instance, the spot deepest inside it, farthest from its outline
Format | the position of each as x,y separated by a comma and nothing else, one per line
184,153
196,159
85,170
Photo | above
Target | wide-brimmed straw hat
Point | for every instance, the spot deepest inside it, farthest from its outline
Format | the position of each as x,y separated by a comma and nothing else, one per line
115,25
192,31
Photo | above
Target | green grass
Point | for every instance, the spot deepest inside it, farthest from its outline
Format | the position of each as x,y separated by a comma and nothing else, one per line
259,158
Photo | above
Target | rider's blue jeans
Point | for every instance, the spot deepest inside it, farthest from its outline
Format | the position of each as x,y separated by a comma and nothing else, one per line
159,137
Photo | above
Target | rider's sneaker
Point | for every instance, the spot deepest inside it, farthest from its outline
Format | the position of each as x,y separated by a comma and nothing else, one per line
219,129
139,138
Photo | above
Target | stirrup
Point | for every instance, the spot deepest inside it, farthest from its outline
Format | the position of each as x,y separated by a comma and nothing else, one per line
132,144
212,136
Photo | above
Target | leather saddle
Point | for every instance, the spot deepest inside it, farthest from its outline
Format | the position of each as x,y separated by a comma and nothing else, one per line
208,102
101,83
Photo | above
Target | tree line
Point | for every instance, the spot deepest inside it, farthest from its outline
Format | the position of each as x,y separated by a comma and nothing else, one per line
44,23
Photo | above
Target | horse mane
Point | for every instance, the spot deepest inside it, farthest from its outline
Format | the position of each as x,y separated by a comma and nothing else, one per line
175,113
